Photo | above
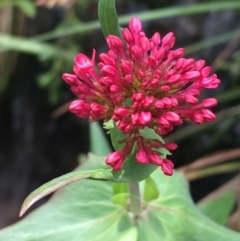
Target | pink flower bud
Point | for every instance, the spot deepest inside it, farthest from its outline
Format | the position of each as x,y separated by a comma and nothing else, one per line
114,42
191,75
115,89
156,39
148,101
174,78
190,99
108,70
155,159
170,146
83,63
144,43
76,105
137,97
127,35
168,40
71,79
121,111
163,122
95,107
172,117
174,102
197,118
128,79
159,104
160,53
167,102
113,158
80,108
135,25
187,64
199,65
179,63
142,157
106,81
209,102
152,61
175,54
208,115
145,117
134,118
126,67
206,71
136,52
165,88
128,129
167,167
117,166
106,59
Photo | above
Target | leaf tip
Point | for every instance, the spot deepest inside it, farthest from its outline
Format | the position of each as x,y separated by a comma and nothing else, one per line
26,205
22,211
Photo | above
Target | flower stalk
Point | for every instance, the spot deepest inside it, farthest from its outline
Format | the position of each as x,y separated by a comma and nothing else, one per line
135,199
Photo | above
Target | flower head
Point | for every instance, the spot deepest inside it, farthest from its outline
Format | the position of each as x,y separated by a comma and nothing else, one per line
142,83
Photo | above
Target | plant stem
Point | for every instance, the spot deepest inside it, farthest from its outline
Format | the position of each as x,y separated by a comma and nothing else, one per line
135,200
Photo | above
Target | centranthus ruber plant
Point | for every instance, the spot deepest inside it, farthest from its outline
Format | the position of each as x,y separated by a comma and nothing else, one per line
141,89
142,82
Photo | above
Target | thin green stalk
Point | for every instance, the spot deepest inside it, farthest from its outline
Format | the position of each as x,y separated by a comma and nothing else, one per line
135,200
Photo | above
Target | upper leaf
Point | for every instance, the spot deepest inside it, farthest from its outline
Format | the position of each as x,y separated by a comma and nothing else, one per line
108,18
62,181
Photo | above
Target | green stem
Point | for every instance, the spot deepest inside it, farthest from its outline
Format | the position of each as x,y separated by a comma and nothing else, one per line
135,200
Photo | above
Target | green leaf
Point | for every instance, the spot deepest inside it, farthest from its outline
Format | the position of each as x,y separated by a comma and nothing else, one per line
80,212
220,208
120,188
116,137
173,215
108,18
108,125
132,171
129,235
150,190
151,134
121,199
120,191
98,142
64,180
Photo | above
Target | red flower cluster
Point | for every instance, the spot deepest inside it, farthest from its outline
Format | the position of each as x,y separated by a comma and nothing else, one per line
142,83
